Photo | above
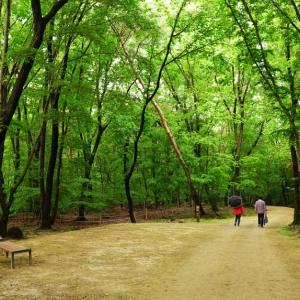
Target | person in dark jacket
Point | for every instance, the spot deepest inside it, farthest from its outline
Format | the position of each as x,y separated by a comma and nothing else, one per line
238,212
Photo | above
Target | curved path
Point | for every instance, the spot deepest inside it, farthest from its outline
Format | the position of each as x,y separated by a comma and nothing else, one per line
245,262
160,261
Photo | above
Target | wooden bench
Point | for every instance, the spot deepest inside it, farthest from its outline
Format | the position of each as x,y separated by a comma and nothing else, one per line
13,249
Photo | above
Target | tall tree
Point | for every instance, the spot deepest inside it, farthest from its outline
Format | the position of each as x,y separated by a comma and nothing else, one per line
13,78
272,74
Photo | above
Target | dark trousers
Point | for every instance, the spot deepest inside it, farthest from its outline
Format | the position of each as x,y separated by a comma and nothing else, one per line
261,219
237,220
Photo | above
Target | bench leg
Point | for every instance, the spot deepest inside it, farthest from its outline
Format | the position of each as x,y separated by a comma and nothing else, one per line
6,253
30,257
12,260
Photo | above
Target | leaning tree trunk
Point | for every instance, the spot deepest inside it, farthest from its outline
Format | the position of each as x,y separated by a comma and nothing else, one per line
191,125
193,192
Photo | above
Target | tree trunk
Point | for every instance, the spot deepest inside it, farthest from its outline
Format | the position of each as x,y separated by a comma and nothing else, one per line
89,157
212,202
3,201
193,192
284,194
54,96
33,169
9,102
86,187
81,213
296,220
268,75
129,171
58,171
42,163
129,200
46,206
3,218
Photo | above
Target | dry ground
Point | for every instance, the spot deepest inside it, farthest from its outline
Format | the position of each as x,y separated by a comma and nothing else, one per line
183,261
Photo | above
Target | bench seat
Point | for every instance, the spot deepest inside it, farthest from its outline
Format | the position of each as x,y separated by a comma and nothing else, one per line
12,249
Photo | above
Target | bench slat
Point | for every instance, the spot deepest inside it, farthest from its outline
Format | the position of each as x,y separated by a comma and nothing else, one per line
7,246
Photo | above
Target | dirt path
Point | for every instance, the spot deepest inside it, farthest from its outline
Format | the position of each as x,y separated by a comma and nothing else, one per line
240,263
160,261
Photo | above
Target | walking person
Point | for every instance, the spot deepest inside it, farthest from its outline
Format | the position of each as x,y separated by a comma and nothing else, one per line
237,212
260,208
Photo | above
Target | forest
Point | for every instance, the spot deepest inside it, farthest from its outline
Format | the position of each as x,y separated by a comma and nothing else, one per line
147,103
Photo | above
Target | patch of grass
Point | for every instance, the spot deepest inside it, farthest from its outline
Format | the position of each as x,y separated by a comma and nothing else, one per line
288,231
69,228
295,229
203,220
226,217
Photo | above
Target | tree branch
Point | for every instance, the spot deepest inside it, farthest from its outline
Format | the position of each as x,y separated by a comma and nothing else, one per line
54,9
297,10
36,11
163,64
278,7
264,71
260,133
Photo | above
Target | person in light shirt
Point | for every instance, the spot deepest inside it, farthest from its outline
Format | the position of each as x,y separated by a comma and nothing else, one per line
260,208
